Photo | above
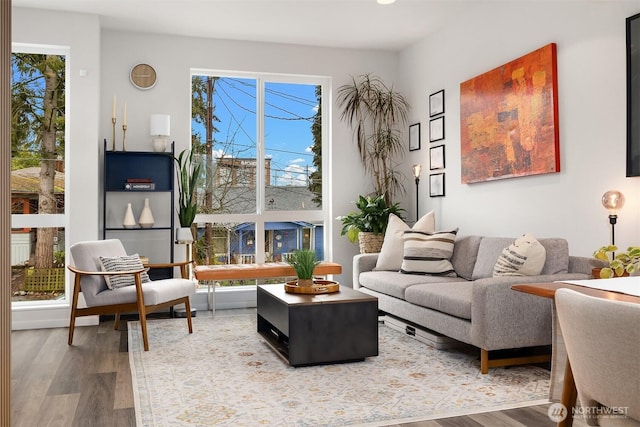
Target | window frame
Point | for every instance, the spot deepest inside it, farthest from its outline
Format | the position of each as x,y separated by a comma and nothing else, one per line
50,220
263,215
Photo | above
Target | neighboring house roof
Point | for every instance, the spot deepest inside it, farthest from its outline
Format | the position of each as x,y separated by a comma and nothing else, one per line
277,198
27,181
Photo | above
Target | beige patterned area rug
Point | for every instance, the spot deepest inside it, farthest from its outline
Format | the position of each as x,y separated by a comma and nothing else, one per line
225,374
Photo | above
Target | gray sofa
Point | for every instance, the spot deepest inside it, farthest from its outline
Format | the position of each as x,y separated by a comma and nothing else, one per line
475,307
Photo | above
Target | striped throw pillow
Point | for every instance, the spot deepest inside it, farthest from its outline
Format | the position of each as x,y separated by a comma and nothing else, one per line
122,263
428,253
524,257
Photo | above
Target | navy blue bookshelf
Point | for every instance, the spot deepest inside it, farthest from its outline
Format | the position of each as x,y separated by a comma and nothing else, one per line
141,166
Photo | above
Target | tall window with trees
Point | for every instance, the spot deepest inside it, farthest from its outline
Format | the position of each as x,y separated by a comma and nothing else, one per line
38,86
260,138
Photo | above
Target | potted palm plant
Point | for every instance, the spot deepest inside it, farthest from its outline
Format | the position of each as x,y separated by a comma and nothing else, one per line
303,262
368,224
376,113
188,173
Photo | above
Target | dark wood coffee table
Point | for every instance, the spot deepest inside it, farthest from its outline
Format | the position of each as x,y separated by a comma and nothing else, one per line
318,329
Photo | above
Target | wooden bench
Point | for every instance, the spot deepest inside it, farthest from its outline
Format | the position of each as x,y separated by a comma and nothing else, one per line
258,271
210,273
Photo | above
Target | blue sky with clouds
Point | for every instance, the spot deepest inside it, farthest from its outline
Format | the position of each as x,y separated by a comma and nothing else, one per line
289,110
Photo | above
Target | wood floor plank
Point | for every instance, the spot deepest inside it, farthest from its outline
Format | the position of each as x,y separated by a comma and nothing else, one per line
58,410
496,419
428,423
26,399
123,398
96,400
530,416
459,422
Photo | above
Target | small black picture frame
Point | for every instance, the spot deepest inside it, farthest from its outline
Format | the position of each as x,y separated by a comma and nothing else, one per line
436,185
436,103
414,137
436,157
436,129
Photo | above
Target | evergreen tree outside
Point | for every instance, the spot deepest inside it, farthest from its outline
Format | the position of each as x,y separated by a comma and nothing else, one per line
315,178
37,132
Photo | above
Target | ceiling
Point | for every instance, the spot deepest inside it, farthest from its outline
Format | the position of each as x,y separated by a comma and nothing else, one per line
331,23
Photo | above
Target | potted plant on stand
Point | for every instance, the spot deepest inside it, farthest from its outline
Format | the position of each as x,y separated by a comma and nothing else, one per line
188,173
368,224
616,264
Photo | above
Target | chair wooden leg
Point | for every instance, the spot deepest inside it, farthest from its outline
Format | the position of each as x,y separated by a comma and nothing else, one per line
142,312
187,306
74,305
72,324
143,325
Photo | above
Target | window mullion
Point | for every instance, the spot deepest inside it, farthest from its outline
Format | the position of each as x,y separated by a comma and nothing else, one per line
260,170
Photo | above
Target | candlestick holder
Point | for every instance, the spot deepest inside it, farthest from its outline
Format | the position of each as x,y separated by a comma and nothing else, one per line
113,134
124,135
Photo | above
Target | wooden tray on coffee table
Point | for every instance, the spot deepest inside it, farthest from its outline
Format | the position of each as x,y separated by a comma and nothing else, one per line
319,287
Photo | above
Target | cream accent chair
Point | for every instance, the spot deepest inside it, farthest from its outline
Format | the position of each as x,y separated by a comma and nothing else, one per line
142,298
603,344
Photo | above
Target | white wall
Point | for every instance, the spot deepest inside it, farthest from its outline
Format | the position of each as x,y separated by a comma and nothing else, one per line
590,38
81,33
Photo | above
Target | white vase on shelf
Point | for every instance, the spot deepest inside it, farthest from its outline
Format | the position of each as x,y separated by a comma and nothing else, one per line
146,216
129,221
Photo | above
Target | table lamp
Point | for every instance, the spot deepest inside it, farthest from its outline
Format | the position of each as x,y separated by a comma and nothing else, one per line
613,201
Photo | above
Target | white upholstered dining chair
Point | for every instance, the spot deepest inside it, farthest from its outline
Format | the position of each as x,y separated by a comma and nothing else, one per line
602,338
124,287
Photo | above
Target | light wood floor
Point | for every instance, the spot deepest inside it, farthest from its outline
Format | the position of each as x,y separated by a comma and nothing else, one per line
89,383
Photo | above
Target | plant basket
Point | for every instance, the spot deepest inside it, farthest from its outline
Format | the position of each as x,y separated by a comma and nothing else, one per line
370,242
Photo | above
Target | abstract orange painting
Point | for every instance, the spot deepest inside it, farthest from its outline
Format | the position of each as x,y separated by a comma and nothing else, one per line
509,119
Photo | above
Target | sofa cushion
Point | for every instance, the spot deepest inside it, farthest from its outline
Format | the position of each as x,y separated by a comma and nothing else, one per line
465,253
390,257
524,257
557,261
452,298
428,253
390,282
122,263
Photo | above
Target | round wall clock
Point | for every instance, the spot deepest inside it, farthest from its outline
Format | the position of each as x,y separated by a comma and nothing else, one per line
143,76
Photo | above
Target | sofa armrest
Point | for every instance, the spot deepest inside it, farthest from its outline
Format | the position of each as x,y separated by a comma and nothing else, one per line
581,264
362,263
503,318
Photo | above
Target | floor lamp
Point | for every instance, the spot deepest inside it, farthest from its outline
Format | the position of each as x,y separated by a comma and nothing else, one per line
416,174
613,201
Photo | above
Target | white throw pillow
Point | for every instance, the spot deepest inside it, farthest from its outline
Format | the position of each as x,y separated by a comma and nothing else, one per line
122,263
390,257
429,253
524,257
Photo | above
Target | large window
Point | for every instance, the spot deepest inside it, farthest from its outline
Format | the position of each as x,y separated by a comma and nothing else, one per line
38,86
260,139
